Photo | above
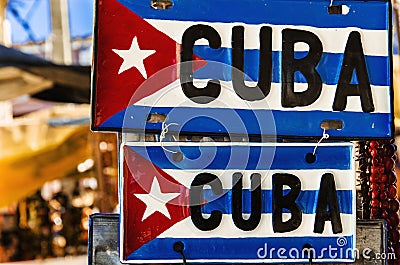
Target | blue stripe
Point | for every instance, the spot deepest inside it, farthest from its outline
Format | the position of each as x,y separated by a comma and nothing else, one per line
328,68
243,248
367,15
265,122
248,157
307,201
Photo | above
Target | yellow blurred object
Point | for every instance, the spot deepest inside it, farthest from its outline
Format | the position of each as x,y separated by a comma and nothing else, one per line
33,152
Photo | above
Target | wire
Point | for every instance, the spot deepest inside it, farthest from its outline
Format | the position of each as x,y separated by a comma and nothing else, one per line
25,25
164,131
178,247
32,10
324,136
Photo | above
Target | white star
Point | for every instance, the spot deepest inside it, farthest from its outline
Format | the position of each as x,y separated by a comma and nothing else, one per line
155,200
134,58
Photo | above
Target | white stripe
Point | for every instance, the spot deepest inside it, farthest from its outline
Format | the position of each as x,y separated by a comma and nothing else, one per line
310,179
279,261
375,42
227,229
173,96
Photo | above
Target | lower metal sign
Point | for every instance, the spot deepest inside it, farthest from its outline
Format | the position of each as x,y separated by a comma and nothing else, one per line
224,202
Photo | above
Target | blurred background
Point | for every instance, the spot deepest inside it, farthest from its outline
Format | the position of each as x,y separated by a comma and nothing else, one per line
54,172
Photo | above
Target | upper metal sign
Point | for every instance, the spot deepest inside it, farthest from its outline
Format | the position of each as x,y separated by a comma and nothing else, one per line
267,67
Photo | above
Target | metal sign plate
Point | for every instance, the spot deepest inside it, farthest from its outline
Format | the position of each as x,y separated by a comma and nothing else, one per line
224,202
289,65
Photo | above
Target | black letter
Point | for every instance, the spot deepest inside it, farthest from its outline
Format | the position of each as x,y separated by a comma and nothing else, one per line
237,204
196,199
305,65
265,65
353,60
288,202
327,197
213,88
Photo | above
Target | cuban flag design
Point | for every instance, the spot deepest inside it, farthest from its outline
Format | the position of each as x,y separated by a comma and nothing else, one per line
158,192
138,50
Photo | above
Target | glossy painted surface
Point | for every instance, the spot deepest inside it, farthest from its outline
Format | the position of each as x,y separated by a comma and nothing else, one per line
157,213
123,100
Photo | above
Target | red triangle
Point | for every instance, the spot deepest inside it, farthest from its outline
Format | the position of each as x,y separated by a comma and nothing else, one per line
116,28
138,175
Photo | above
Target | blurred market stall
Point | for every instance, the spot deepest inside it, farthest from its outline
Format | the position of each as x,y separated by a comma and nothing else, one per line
54,171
